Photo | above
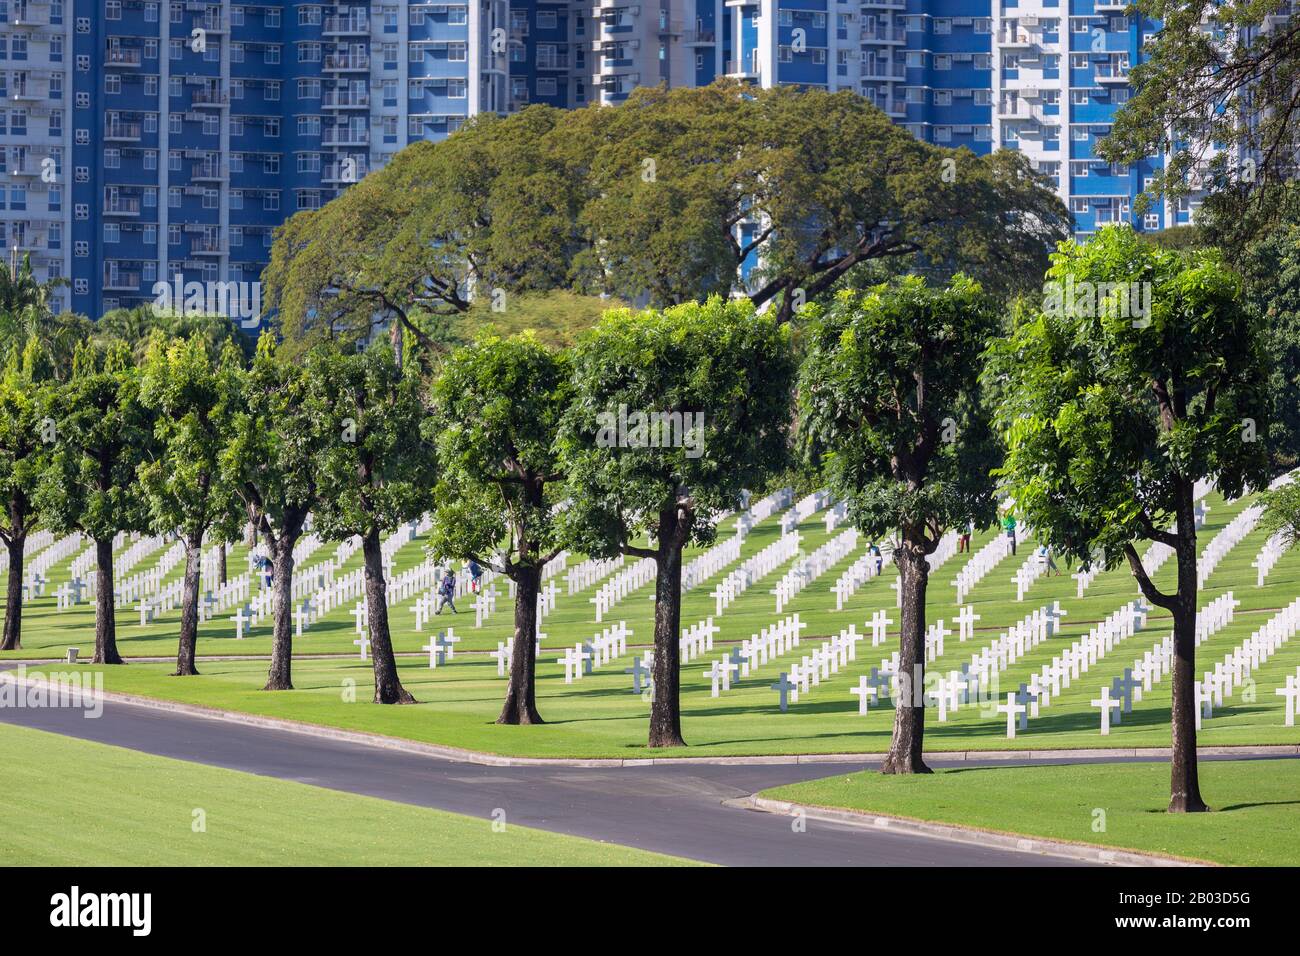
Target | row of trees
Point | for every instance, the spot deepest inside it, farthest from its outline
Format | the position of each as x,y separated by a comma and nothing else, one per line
907,398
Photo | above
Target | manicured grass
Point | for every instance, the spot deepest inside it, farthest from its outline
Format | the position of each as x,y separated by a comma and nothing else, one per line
1255,819
76,803
599,716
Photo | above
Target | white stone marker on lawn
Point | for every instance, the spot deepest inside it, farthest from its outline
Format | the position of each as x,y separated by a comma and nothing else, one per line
783,686
362,642
1011,709
966,619
241,618
1291,692
1107,704
864,692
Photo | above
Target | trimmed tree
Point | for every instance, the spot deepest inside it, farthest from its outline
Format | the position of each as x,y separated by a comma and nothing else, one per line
103,434
194,399
1142,374
271,461
25,443
891,411
497,410
705,390
378,470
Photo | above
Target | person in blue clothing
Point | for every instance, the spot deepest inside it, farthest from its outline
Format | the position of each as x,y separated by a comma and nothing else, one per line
880,558
475,576
447,592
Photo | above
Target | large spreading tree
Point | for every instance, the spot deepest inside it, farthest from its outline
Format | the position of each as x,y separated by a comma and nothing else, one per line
103,434
676,195
272,459
497,410
1142,374
193,396
721,378
891,410
377,469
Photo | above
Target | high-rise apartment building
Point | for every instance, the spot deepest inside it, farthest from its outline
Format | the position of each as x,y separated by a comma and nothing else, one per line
141,140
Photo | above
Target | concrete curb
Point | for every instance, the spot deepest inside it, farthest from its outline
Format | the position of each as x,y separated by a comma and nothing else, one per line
1086,852
460,755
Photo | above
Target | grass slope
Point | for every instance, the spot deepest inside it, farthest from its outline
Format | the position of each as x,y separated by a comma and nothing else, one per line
1255,820
76,803
599,716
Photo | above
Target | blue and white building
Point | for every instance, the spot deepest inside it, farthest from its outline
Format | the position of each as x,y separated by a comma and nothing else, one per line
141,140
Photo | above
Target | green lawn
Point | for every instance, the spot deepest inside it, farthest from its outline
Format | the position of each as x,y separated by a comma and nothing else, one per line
599,716
76,803
1255,819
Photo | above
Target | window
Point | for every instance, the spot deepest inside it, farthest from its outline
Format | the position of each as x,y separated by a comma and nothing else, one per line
456,52
270,202
942,26
113,10
174,197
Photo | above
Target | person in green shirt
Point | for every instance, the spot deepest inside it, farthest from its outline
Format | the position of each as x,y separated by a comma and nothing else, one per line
1009,528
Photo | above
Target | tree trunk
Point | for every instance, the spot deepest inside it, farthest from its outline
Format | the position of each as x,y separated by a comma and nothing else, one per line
388,688
909,706
13,632
190,607
221,564
521,695
280,676
105,606
1184,786
665,708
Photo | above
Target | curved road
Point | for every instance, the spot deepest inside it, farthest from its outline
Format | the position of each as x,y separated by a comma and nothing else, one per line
669,809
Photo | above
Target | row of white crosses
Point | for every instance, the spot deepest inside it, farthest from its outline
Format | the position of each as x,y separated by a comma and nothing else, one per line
701,568
836,515
1237,666
505,652
1155,555
555,566
945,549
858,573
1011,645
980,564
584,656
757,566
804,509
36,541
1159,552
583,575
764,508
1148,670
37,567
697,639
808,569
1034,568
1228,537
1272,551
823,663
769,643
621,585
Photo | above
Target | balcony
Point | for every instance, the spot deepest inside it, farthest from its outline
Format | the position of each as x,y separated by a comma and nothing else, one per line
1110,6
208,246
556,62
123,56
345,100
209,97
211,22
884,71
209,173
346,26
340,173
121,280
30,91
699,37
345,136
31,18
347,62
1016,41
1112,75
123,132
122,206
897,35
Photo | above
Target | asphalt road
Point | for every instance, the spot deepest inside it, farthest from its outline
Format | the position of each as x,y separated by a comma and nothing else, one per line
669,809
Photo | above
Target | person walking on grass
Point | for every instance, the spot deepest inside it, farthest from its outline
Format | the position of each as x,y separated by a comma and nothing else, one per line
1009,528
447,592
963,543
